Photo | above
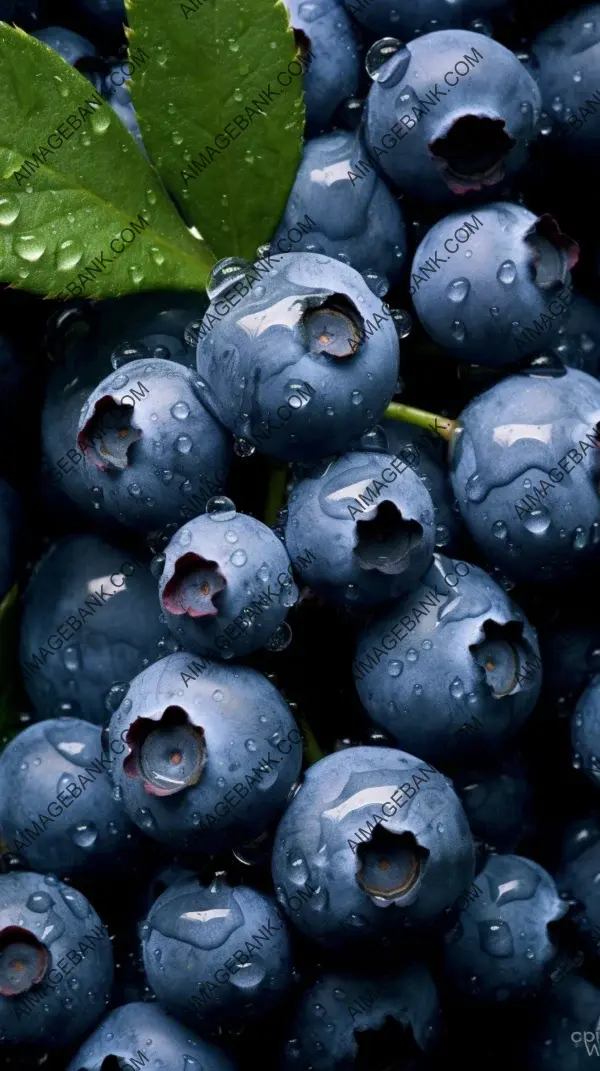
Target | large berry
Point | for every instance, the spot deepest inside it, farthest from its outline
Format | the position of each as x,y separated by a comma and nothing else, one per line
450,113
524,468
330,58
148,442
212,753
452,671
57,809
566,55
364,528
216,955
352,218
56,961
308,360
374,875
494,286
90,622
227,584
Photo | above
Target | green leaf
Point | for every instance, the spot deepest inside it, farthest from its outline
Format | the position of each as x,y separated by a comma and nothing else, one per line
207,61
82,189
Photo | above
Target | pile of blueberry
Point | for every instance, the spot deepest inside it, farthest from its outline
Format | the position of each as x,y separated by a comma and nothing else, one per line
282,561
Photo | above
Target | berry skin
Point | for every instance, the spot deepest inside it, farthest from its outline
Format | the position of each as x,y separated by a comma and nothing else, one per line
576,881
48,932
62,755
585,732
362,1015
507,290
306,363
201,736
354,218
110,597
566,56
466,130
344,824
71,46
194,935
425,453
501,948
498,802
453,671
327,43
386,18
225,571
524,472
148,442
10,527
143,1028
578,345
155,326
369,526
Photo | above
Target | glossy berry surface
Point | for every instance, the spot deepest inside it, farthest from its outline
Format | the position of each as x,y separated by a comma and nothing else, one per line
227,585
295,370
453,670
216,955
212,753
344,834
367,522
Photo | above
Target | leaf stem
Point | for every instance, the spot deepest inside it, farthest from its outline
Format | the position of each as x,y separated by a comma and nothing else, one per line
422,419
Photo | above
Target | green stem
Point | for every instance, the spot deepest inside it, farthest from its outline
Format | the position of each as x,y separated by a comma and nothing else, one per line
310,745
422,419
275,493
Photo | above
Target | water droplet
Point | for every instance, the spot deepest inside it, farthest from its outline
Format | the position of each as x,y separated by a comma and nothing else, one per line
458,331
457,688
356,397
223,274
402,322
180,410
220,508
145,819
40,902
183,444
507,273
458,290
281,638
157,566
264,573
418,689
29,247
100,120
379,54
239,557
71,659
427,645
308,11
9,210
500,530
242,448
495,938
579,538
217,695
395,669
85,834
412,655
537,521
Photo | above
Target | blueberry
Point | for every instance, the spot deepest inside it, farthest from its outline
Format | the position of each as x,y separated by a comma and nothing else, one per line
564,1032
56,961
585,732
425,452
11,522
365,1020
148,443
201,736
501,948
498,802
330,54
72,47
334,846
367,526
17,414
566,55
308,361
503,293
576,879
89,345
216,955
578,341
463,105
354,219
453,671
45,771
143,1033
105,17
226,586
119,98
385,18
524,471
90,621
